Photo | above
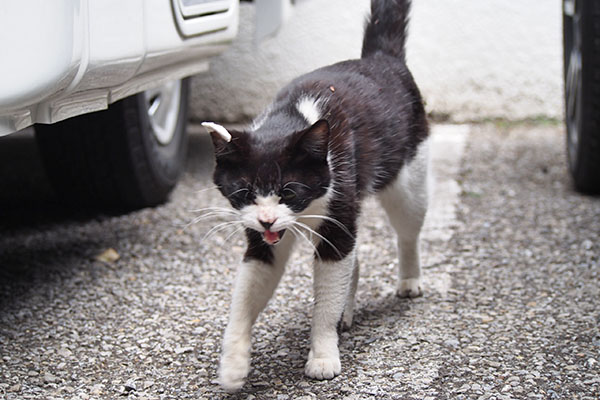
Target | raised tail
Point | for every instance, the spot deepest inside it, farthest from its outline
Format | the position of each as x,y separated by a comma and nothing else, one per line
386,28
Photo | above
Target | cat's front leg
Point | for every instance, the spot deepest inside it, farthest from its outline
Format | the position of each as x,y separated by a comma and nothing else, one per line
255,282
332,280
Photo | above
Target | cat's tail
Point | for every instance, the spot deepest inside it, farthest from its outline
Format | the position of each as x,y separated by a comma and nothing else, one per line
386,28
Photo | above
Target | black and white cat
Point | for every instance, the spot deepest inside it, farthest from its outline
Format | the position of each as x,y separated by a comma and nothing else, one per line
330,138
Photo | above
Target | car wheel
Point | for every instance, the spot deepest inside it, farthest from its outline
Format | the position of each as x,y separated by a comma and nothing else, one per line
581,34
128,156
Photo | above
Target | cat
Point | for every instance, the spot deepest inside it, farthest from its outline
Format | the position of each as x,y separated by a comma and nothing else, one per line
329,139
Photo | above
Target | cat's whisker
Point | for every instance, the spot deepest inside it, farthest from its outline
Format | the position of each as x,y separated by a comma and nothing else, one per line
235,231
238,191
333,220
221,213
216,213
291,190
296,183
294,229
219,227
193,222
207,216
323,238
206,189
222,209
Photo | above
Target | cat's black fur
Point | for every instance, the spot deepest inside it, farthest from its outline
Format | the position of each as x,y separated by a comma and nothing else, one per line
373,119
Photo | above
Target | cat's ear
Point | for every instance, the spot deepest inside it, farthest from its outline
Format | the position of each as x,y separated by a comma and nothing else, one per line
315,140
217,132
223,141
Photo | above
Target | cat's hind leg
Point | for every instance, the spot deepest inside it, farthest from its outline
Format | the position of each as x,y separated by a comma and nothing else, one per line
405,201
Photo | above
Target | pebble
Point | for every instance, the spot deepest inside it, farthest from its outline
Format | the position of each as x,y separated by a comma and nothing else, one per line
69,389
15,388
64,352
49,378
182,350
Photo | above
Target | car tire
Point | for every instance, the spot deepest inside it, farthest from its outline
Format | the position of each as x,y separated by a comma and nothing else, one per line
126,157
581,40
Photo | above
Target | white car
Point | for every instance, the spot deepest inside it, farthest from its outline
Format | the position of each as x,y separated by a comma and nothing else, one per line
118,67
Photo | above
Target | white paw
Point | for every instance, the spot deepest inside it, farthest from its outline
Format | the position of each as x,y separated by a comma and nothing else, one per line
233,372
323,368
410,288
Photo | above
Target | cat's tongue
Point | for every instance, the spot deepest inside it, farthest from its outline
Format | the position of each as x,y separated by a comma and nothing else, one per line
272,237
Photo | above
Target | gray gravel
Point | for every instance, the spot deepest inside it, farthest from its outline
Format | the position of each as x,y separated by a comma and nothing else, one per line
519,318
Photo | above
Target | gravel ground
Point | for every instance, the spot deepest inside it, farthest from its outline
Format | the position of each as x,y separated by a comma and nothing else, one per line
511,311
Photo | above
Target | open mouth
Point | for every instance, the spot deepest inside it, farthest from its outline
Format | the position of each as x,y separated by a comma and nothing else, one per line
273,237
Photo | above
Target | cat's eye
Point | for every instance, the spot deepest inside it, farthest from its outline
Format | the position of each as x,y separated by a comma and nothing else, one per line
288,194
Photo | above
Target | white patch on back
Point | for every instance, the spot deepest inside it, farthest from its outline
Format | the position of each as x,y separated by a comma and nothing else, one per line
309,108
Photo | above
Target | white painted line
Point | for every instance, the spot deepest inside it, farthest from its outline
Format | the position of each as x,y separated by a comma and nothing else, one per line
446,152
447,149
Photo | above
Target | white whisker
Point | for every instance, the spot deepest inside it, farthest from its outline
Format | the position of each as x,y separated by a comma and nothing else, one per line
208,215
291,190
235,231
320,236
212,214
237,191
294,229
296,183
222,209
333,220
206,189
194,221
219,227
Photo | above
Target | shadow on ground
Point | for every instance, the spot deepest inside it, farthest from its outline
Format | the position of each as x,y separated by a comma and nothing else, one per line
42,239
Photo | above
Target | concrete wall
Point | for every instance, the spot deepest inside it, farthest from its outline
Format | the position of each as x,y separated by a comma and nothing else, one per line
472,59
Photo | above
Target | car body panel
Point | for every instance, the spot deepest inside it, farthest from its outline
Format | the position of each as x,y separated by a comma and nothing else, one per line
68,57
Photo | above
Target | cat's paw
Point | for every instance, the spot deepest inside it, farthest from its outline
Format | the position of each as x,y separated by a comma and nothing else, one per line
233,372
410,288
323,368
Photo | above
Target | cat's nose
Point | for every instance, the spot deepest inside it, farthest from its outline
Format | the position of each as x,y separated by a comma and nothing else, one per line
266,224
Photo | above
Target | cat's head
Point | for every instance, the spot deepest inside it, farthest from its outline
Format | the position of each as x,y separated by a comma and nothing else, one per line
272,178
